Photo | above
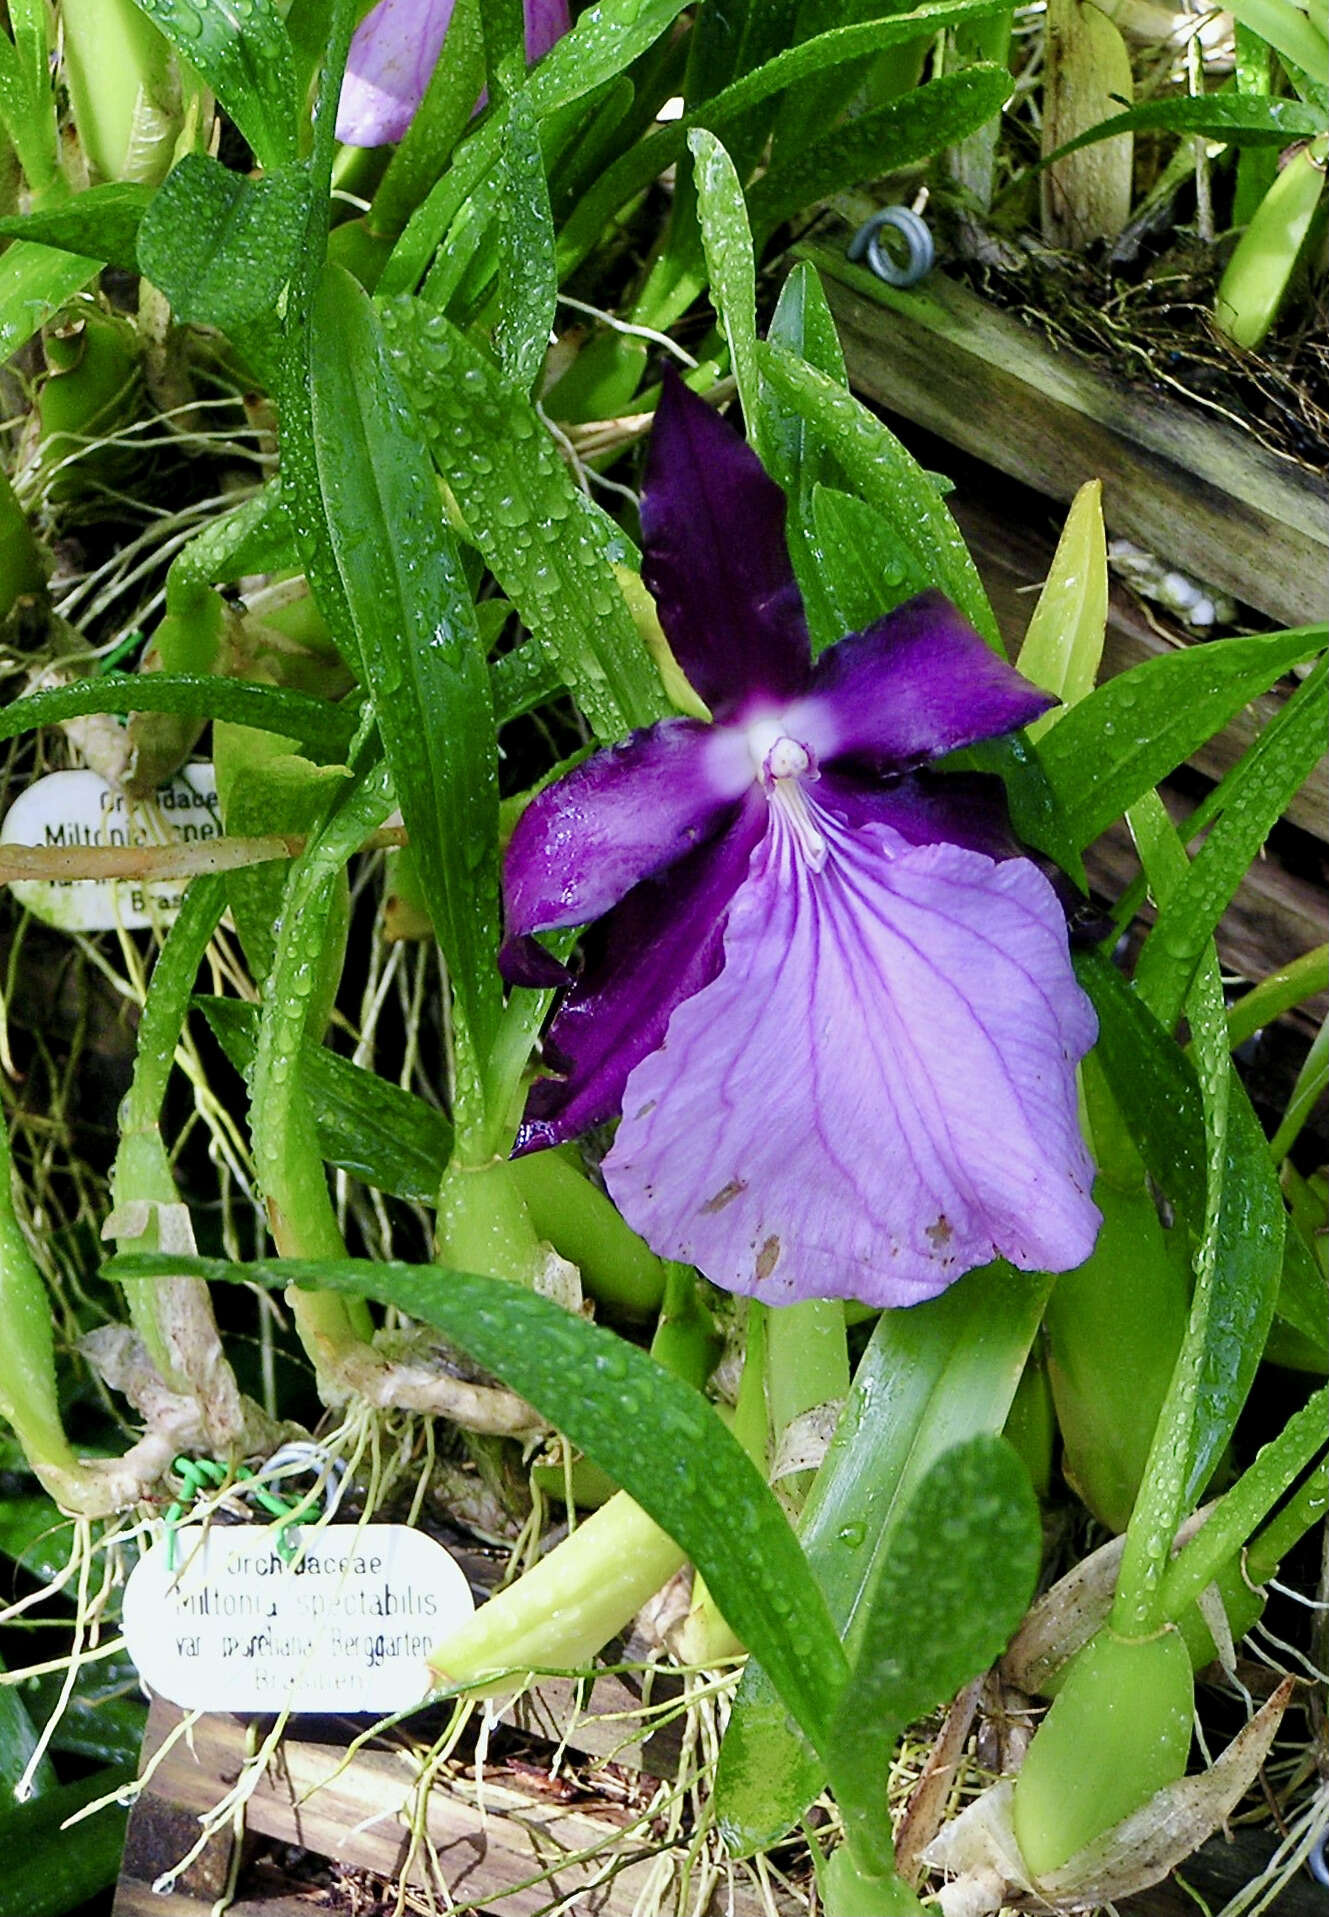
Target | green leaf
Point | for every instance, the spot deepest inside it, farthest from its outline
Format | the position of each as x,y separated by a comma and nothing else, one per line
366,1126
866,568
527,285
551,550
952,1586
1239,119
18,1740
1289,30
255,536
657,1436
1247,1266
48,1872
1116,745
243,51
802,325
727,242
931,1377
1250,801
99,224
36,282
315,725
521,680
645,161
415,624
887,478
1153,1084
221,247
911,128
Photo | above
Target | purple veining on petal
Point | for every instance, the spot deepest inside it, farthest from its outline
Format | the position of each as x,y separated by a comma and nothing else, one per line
926,808
715,559
621,815
393,53
876,1092
918,683
660,945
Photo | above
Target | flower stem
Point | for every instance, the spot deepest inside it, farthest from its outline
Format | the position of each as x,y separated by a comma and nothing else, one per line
618,1268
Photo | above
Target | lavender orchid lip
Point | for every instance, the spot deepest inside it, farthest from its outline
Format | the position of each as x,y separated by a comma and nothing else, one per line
394,52
832,1001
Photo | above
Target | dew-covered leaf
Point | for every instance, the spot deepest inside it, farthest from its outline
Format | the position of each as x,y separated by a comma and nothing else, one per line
886,477
552,550
1116,745
660,1439
415,624
222,248
930,1378
243,51
366,1125
953,1582
99,224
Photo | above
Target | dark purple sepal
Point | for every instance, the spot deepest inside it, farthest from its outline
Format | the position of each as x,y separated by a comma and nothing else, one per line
916,684
926,808
524,961
715,559
623,814
662,944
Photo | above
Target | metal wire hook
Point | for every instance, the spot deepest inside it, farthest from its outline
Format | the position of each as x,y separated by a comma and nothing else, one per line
866,244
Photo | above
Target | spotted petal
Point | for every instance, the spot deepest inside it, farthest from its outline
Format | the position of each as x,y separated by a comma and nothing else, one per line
663,943
621,815
715,559
876,1093
918,683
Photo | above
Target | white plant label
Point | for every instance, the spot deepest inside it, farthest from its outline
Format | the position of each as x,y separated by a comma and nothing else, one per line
346,1626
80,809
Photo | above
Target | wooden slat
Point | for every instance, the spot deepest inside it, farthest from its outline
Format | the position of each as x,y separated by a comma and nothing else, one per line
494,1847
1013,558
1199,493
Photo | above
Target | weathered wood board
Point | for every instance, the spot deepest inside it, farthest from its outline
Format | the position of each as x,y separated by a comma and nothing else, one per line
1196,491
487,1844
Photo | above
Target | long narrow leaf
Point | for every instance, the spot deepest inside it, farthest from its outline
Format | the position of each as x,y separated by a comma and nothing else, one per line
887,478
931,1377
661,1440
552,551
1252,799
1114,746
415,624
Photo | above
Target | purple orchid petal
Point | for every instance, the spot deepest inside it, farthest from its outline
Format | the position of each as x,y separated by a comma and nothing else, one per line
876,1093
957,808
546,22
392,59
583,843
918,683
663,943
524,961
393,54
715,559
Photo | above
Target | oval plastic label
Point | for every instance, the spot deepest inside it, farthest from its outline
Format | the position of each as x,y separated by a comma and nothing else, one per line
80,808
347,1626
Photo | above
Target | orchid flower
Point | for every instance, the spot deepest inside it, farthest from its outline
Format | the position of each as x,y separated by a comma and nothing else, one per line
393,56
833,1003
